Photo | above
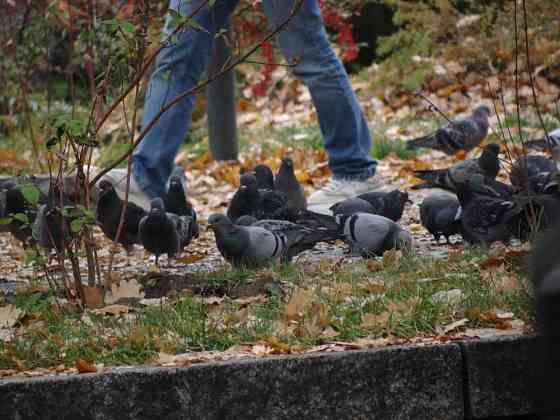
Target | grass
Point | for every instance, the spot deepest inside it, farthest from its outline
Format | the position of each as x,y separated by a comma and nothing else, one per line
389,297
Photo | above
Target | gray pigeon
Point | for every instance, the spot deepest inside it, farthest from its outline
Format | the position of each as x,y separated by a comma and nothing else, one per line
287,183
351,206
532,173
371,234
450,178
440,214
246,220
461,134
544,144
164,233
254,246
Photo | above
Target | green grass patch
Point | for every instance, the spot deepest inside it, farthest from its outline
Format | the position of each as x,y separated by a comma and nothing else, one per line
396,296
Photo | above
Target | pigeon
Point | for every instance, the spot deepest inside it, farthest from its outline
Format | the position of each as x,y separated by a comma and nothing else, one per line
287,183
532,173
246,220
543,144
351,206
254,246
372,234
51,227
17,209
176,202
164,233
389,204
246,199
264,176
486,218
463,134
449,179
109,209
440,214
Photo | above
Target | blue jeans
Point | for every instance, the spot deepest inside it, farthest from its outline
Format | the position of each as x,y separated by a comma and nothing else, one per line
180,65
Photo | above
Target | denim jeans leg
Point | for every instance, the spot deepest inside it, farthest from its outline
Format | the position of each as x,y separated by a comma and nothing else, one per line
343,126
178,68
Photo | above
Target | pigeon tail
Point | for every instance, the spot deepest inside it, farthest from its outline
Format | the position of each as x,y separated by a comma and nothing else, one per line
428,142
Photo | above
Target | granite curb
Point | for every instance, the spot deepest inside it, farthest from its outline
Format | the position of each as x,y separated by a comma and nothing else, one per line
468,379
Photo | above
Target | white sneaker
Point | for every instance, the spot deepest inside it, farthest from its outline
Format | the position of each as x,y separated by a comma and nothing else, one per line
136,195
337,190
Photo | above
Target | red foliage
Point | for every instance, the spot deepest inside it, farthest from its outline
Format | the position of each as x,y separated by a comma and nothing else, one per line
250,26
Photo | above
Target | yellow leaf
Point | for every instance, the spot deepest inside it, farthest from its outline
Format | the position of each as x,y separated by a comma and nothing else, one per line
298,303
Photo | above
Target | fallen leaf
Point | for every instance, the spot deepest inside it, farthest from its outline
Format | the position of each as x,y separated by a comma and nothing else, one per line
375,320
454,325
85,367
298,303
329,332
93,296
191,258
125,289
374,286
114,310
391,257
9,316
261,299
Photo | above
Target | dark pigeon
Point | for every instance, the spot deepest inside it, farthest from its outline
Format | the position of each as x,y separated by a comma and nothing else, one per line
254,246
176,202
51,228
15,208
164,233
450,178
265,177
287,183
370,234
246,199
487,218
351,206
109,208
440,214
545,275
532,173
388,204
461,134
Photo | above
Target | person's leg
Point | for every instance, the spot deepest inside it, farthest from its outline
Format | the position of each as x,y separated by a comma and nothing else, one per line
178,68
341,119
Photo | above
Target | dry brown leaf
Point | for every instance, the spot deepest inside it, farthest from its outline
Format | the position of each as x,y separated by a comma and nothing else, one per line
375,320
9,316
374,286
124,289
365,343
93,296
454,325
298,304
114,310
261,299
392,257
85,367
329,332
191,258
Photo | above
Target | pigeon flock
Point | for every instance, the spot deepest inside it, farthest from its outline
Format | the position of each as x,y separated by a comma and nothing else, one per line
267,219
